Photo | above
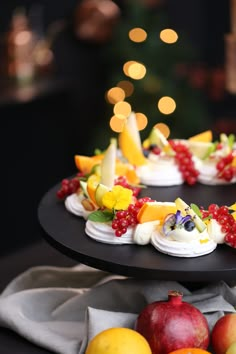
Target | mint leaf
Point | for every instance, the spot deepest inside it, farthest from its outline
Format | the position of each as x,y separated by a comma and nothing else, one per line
101,216
196,210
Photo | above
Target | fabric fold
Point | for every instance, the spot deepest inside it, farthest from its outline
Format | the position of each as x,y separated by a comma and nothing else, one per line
61,309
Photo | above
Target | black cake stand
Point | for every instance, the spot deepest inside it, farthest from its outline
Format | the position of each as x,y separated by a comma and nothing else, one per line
65,232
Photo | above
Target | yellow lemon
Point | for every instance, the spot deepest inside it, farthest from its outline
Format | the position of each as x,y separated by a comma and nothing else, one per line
118,340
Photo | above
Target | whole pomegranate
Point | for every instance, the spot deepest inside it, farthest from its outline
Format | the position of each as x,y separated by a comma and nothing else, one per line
173,324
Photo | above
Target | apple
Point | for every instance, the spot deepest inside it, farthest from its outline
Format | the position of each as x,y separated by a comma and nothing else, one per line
224,333
231,349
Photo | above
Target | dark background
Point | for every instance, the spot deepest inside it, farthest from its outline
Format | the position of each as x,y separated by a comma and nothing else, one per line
48,126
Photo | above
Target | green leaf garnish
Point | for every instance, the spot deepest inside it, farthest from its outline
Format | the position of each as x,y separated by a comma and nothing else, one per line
196,210
101,216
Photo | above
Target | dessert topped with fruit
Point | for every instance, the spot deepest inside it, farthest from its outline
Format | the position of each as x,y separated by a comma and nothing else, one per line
158,161
81,194
174,228
216,159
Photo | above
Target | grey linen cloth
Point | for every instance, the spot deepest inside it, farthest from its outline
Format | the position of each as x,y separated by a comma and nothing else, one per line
61,309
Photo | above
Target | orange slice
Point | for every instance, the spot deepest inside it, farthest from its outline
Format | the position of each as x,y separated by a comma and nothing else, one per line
234,162
190,351
86,163
92,183
205,136
123,169
152,211
129,149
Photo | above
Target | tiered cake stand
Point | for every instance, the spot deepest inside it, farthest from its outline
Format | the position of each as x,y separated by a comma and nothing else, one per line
65,232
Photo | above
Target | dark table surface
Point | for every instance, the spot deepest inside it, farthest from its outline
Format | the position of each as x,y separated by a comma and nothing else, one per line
66,233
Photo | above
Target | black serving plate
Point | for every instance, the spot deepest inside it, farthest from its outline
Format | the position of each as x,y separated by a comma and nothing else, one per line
65,232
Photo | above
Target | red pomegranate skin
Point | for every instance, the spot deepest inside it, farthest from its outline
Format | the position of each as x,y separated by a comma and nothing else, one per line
173,324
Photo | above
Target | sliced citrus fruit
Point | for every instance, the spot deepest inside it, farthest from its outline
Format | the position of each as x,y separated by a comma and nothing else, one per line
234,162
152,211
92,183
130,149
132,176
99,193
205,136
86,163
190,351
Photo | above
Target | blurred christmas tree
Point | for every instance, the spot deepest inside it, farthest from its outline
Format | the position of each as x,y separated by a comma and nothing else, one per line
168,70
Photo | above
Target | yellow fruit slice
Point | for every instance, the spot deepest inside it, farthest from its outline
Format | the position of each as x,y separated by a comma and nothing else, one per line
92,183
118,341
205,136
99,193
152,211
86,163
130,150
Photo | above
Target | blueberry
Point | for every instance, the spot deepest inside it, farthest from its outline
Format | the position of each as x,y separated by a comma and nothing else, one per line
189,225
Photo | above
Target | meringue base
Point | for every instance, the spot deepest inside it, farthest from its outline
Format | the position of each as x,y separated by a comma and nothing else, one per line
182,249
103,232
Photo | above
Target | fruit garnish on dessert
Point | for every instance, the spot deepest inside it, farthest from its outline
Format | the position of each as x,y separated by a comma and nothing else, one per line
107,168
130,143
221,223
201,145
217,164
170,162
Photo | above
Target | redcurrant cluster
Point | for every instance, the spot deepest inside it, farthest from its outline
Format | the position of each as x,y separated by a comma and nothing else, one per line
228,224
68,186
125,218
183,158
225,169
122,181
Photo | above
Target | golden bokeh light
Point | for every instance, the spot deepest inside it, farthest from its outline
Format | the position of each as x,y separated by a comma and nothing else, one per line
126,66
22,38
166,105
122,108
137,35
137,71
127,87
115,94
164,129
142,121
168,36
117,123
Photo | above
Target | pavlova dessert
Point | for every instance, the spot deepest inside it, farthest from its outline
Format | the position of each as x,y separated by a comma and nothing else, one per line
158,161
216,160
173,228
80,193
